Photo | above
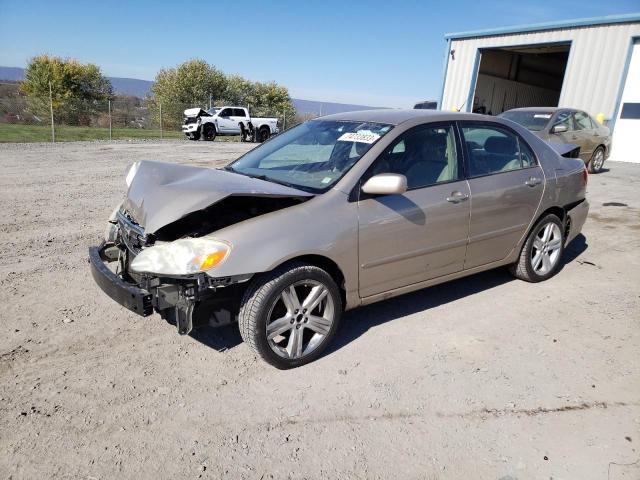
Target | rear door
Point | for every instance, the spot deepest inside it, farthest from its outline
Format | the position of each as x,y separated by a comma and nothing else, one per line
239,117
586,134
422,234
506,185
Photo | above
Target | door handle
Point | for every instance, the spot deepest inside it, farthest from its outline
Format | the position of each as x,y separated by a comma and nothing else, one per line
457,197
533,181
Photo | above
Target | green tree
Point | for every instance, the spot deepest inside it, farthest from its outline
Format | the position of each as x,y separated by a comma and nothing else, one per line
195,83
192,84
78,90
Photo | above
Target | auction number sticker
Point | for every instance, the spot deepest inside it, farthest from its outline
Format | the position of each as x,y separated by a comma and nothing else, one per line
542,115
361,137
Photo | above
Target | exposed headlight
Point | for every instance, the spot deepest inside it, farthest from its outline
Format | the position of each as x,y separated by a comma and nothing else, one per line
181,257
131,172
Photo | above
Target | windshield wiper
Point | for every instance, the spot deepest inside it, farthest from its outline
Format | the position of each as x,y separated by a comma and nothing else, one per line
265,178
272,180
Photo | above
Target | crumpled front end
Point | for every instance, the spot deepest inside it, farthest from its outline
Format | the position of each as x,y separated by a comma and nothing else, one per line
175,298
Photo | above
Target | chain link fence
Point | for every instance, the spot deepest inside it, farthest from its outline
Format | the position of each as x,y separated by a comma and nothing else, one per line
25,119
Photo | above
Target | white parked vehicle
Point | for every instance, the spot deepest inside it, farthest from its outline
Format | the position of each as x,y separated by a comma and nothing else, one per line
206,125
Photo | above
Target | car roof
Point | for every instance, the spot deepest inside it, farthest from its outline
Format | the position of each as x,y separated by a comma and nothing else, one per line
398,116
537,109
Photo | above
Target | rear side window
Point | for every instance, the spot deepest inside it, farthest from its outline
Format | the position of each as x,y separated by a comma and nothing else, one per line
495,150
238,112
583,122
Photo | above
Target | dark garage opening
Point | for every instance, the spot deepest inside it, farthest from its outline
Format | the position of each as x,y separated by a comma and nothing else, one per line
513,77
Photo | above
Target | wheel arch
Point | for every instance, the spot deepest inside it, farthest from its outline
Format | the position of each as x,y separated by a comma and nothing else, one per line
326,264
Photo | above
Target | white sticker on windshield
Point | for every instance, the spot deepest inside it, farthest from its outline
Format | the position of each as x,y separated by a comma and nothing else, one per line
363,136
325,180
542,115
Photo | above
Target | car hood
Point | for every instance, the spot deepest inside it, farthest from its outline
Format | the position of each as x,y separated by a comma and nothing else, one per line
161,193
195,112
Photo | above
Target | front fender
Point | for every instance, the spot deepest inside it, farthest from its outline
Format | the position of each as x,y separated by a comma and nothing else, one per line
326,225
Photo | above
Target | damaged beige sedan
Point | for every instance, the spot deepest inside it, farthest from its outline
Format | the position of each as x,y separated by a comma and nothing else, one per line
335,213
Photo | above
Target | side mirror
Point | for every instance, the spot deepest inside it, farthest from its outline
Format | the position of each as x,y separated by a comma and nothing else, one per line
559,128
386,184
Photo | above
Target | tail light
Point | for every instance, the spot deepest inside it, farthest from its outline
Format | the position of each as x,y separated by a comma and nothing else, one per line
585,176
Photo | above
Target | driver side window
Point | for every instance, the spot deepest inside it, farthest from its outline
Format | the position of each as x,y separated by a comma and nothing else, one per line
564,118
226,112
426,155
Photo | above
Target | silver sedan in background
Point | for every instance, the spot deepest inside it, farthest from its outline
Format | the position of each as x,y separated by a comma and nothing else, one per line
567,126
338,212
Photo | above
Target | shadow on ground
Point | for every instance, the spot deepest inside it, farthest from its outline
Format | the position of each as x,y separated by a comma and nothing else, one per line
357,322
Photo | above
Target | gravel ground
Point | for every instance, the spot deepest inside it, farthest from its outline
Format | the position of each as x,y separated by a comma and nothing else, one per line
485,377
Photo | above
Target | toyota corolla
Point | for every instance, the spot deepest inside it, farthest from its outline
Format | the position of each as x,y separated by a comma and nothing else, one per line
336,213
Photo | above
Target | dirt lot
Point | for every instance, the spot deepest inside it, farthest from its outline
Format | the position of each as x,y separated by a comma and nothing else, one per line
486,377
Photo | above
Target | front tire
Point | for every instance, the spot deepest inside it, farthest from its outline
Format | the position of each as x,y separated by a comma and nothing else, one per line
289,316
209,133
597,161
542,252
194,136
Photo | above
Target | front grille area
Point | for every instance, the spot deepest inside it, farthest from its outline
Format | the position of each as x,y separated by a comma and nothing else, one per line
132,234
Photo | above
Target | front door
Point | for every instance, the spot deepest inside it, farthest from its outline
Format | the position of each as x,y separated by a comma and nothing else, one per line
422,234
225,121
570,136
506,185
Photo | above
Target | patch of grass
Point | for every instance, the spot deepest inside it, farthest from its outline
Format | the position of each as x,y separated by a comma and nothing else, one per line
13,132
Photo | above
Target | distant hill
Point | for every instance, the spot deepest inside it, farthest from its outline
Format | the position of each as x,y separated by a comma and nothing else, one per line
140,88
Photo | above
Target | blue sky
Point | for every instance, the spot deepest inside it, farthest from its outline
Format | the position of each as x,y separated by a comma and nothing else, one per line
379,53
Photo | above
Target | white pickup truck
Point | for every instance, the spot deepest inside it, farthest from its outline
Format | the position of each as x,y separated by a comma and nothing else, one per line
206,125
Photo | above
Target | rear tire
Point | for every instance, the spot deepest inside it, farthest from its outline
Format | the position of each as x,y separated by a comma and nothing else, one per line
597,161
541,253
301,325
263,134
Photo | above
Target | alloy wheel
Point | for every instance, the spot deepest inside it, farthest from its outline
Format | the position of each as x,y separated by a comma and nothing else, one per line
296,328
598,161
546,249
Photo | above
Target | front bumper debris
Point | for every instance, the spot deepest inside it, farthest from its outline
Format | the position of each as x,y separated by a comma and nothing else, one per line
126,294
176,300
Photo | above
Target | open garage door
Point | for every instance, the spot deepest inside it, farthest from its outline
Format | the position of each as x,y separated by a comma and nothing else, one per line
524,76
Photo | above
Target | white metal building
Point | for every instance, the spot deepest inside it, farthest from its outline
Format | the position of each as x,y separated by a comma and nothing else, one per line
590,64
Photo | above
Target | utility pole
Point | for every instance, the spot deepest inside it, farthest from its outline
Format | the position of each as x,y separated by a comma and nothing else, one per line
160,120
209,100
53,129
284,119
110,138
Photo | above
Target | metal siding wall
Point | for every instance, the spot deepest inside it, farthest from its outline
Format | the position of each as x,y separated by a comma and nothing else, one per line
591,81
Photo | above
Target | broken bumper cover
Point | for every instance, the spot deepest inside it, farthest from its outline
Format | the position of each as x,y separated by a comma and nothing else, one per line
578,217
174,299
190,128
126,294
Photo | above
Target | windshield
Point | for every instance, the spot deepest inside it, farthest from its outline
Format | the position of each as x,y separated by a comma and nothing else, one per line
534,121
312,156
213,111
